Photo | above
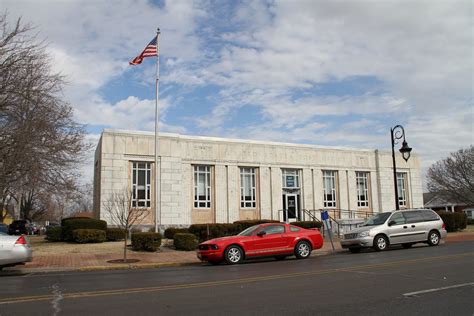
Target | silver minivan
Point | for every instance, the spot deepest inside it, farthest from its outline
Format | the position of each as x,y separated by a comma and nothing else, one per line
405,227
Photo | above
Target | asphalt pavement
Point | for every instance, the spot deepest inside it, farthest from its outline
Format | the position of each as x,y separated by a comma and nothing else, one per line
419,281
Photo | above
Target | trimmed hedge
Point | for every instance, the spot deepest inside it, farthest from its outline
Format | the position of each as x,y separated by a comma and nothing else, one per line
69,225
308,224
470,221
183,241
453,221
215,230
115,234
142,241
54,233
84,236
170,232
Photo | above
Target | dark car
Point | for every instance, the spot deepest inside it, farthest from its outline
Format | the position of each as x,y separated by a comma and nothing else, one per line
19,227
3,228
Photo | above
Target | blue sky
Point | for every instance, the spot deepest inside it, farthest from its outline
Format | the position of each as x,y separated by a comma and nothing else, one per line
320,72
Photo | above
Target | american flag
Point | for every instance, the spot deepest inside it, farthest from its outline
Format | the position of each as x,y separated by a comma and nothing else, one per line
150,50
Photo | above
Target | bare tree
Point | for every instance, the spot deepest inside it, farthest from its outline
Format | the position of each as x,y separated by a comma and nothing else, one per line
453,177
40,143
123,215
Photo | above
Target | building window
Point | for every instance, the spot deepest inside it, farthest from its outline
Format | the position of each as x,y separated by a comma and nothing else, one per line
402,189
248,191
362,180
329,183
290,179
141,184
202,186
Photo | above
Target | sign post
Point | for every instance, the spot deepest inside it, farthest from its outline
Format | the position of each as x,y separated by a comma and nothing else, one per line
327,225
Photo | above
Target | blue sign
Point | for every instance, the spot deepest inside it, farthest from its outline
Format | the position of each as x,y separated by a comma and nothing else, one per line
324,215
325,218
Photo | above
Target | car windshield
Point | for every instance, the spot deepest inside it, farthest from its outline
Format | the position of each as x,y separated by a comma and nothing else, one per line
249,231
378,219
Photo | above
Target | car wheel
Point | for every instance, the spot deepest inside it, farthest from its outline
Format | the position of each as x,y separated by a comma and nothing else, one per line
302,250
280,257
380,243
233,255
433,238
355,249
406,246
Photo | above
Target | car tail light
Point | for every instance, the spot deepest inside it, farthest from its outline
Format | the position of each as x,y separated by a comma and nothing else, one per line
21,241
444,226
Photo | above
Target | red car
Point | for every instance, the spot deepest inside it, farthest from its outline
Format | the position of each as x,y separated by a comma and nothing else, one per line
277,240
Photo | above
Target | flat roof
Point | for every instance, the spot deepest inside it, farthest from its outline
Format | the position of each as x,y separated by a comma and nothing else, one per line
230,140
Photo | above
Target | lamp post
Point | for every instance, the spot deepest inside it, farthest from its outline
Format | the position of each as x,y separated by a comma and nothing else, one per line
397,133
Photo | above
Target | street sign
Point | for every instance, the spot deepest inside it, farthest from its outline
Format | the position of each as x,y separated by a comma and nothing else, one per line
326,221
327,225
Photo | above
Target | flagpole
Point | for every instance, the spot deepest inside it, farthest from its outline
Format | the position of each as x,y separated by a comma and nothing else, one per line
157,174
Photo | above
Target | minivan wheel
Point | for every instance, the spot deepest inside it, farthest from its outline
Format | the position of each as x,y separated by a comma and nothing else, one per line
380,243
433,238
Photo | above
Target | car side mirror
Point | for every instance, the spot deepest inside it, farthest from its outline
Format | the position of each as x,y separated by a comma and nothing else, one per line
261,233
391,223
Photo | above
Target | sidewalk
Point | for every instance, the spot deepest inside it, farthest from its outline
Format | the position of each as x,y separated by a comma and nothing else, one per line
165,258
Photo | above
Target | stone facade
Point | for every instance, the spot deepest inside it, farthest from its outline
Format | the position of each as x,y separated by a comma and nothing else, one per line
179,154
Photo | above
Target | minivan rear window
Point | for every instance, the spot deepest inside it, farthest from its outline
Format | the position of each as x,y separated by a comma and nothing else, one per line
413,216
429,215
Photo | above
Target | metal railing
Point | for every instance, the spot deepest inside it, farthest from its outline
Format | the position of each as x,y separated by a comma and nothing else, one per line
342,220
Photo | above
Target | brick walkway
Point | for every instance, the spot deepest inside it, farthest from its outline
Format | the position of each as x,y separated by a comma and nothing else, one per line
166,257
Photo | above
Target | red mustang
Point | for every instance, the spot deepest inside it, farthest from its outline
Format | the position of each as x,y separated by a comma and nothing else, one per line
265,240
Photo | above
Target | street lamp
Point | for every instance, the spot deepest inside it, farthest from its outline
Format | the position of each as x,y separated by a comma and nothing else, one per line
398,133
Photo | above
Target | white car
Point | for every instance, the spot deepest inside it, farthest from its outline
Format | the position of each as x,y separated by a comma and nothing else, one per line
14,250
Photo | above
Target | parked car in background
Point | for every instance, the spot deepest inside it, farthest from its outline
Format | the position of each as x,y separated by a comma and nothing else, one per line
14,250
19,227
405,227
3,228
277,240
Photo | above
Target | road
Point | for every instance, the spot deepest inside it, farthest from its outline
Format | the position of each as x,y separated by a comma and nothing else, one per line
419,281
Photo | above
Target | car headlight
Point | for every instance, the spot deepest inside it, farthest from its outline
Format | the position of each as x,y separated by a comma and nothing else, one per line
214,247
364,234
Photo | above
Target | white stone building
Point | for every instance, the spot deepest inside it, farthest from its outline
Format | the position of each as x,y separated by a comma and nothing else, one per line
218,180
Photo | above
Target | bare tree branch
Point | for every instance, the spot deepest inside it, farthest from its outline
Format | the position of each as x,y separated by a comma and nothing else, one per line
453,177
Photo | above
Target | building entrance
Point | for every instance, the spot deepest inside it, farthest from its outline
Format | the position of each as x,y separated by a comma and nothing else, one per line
291,208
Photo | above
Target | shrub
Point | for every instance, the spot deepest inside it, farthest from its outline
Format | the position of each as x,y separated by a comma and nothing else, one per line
185,241
470,221
84,236
54,233
209,231
170,232
72,224
307,224
146,241
453,221
115,234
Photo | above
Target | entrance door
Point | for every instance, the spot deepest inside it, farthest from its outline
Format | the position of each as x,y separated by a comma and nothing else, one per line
291,207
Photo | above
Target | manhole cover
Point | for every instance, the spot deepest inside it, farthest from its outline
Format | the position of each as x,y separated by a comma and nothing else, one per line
123,261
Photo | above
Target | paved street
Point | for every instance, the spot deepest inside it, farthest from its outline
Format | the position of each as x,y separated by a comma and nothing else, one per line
418,281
